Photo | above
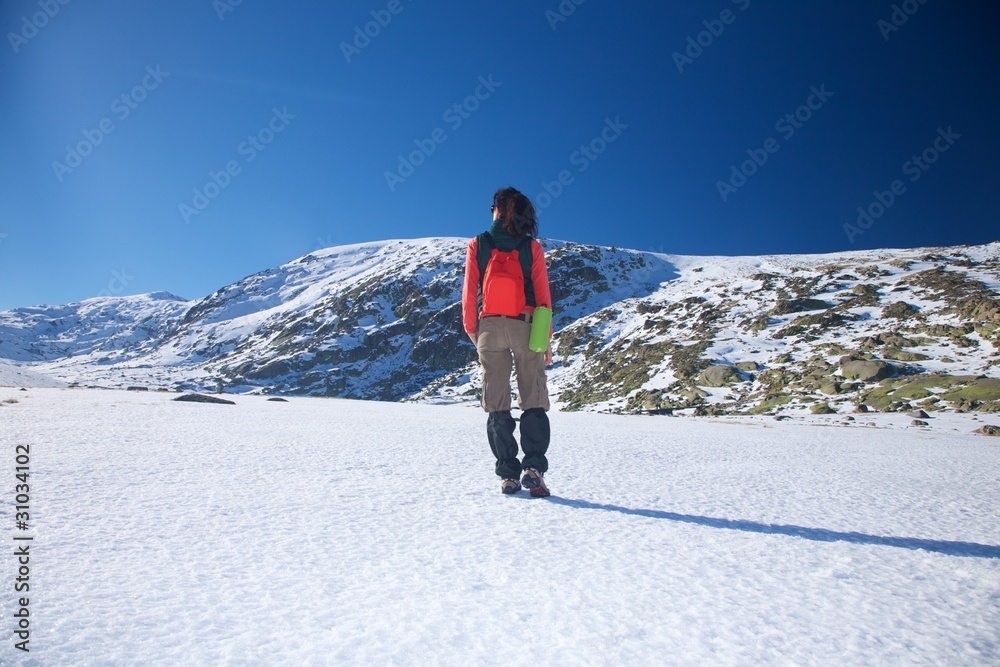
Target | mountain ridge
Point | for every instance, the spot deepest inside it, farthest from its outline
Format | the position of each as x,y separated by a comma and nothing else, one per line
636,330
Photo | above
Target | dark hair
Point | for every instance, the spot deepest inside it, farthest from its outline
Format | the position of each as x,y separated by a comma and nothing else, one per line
516,212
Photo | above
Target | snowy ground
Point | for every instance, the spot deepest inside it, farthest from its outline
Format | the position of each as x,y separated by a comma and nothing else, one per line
15,376
324,531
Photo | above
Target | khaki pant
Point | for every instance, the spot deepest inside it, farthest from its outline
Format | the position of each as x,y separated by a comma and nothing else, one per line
503,342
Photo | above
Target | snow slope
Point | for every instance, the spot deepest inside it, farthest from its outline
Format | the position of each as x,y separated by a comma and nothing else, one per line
15,376
324,531
635,330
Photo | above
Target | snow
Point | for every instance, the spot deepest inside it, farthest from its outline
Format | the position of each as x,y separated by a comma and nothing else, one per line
323,531
12,375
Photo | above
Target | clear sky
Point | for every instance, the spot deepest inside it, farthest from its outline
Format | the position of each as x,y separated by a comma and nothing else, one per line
183,145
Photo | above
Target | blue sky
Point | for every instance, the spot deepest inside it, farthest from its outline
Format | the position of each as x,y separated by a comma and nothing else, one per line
181,146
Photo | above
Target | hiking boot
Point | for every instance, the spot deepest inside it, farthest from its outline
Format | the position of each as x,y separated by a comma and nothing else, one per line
510,486
535,483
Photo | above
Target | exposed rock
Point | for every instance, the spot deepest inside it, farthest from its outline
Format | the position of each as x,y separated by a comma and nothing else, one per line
718,376
818,323
201,398
900,310
919,414
787,306
393,332
902,355
137,389
918,422
769,404
989,430
980,310
822,409
868,371
694,394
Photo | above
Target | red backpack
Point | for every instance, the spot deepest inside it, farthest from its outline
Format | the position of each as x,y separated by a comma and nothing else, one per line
503,281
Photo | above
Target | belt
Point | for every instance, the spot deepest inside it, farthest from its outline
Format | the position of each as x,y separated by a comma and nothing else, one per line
524,317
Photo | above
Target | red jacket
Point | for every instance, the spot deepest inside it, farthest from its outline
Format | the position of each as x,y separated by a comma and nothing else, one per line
470,290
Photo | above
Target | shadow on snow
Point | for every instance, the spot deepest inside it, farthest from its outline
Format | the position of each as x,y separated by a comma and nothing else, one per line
968,549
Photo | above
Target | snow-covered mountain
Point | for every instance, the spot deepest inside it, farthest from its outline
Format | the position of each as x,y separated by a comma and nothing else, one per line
636,331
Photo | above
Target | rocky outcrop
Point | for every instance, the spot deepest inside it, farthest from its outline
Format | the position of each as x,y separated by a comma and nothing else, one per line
867,371
718,376
635,331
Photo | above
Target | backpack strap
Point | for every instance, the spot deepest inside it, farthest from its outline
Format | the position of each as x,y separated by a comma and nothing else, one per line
484,250
524,253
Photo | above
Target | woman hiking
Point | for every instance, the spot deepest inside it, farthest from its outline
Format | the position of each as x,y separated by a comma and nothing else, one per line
505,280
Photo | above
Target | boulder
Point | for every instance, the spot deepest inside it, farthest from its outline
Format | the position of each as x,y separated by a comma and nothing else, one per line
718,376
900,310
903,355
822,409
989,430
868,371
786,306
748,366
919,414
919,422
201,398
693,395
